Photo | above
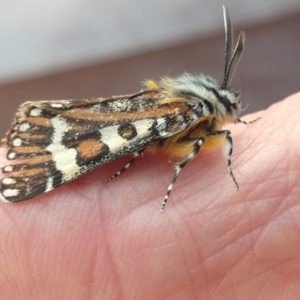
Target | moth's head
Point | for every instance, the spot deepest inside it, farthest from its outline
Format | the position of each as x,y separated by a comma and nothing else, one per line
224,104
217,101
230,104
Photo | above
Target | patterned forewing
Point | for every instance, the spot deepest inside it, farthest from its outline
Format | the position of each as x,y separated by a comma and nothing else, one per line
53,142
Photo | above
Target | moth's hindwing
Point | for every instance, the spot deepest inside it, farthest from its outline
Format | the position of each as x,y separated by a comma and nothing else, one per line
53,142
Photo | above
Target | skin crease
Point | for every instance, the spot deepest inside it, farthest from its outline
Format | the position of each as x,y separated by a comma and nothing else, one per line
95,240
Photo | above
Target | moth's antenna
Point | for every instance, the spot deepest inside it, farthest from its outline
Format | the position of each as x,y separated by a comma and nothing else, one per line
228,43
231,59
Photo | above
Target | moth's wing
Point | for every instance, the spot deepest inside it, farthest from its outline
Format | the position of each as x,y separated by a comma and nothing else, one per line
53,142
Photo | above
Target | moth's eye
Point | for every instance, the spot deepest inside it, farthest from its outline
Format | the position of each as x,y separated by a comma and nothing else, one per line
225,101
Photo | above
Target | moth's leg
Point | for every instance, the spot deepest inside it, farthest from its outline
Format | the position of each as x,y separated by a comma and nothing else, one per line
135,156
227,149
249,122
180,166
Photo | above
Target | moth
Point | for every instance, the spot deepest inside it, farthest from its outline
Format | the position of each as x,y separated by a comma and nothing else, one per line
53,142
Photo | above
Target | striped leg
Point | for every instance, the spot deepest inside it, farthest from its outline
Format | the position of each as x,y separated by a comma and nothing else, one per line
179,167
227,149
135,156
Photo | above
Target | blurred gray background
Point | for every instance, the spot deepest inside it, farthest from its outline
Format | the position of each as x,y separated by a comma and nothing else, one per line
63,49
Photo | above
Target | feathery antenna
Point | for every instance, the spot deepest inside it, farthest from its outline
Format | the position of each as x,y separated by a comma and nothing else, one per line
231,59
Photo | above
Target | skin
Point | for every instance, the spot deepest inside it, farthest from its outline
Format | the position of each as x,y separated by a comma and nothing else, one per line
95,240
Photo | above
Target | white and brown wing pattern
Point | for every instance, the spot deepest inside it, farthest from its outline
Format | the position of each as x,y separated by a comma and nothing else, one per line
53,142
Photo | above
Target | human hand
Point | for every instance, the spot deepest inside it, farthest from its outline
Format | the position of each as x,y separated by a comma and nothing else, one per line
94,240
